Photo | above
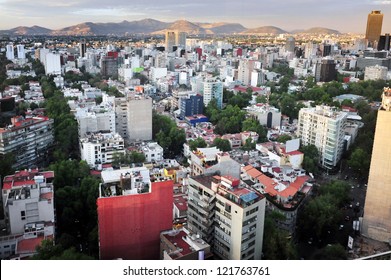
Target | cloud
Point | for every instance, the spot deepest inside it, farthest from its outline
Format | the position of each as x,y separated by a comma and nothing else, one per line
382,2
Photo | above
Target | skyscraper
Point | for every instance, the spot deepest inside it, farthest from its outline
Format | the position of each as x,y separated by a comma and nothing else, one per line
170,41
377,210
374,24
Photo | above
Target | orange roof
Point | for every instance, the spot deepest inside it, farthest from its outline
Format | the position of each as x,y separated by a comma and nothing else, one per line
254,173
294,187
29,245
248,167
268,184
47,196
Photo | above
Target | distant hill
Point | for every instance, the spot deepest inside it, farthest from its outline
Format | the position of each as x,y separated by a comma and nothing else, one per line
265,30
223,27
320,30
185,26
152,26
24,30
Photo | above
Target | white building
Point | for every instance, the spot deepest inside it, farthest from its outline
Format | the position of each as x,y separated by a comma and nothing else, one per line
10,54
323,127
28,197
52,64
21,51
157,73
222,210
376,72
212,89
91,121
265,114
152,152
100,148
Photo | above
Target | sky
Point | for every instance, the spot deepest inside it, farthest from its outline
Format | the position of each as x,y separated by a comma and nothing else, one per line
342,15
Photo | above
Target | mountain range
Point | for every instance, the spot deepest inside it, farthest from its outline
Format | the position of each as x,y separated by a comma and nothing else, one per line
155,27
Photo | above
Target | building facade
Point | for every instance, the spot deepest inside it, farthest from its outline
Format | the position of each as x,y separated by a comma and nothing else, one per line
28,198
28,139
226,214
132,212
374,25
100,148
375,73
377,211
323,127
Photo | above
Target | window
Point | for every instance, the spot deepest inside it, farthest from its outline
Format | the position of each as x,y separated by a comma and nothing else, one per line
23,215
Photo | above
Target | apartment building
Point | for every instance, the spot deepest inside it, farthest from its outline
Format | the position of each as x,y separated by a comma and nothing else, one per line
132,212
228,215
375,73
29,139
323,126
100,148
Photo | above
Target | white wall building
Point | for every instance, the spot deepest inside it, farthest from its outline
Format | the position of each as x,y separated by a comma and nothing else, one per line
52,64
100,148
10,54
323,127
376,72
152,151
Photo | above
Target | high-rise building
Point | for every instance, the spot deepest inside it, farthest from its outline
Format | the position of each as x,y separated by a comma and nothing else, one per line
10,52
212,88
132,212
192,105
21,52
170,41
83,48
227,214
323,127
377,211
374,25
384,42
108,66
139,118
175,38
52,64
28,139
290,44
325,70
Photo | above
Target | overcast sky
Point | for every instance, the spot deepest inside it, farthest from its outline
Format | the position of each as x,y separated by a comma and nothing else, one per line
343,15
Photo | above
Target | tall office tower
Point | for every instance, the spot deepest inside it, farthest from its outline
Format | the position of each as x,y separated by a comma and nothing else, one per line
227,214
132,211
180,39
290,44
245,69
377,211
83,48
323,127
21,52
108,66
10,52
374,25
170,41
325,70
384,42
212,88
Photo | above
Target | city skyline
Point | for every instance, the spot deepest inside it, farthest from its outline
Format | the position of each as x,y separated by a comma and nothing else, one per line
346,16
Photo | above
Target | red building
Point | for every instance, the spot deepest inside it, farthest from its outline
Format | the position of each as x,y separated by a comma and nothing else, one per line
130,225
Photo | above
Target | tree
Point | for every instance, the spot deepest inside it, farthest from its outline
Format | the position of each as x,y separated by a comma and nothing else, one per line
311,158
197,143
6,162
276,242
222,144
332,252
249,145
251,124
360,161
